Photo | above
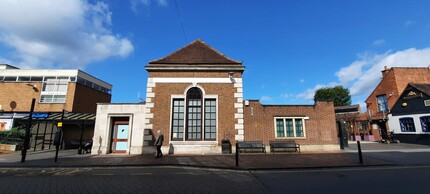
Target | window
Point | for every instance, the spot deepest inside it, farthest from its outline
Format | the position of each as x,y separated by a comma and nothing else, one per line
23,79
195,118
178,119
382,103
407,124
194,114
9,79
425,123
210,119
54,90
363,126
290,127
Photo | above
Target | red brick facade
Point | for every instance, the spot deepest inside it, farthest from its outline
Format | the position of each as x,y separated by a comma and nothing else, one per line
320,127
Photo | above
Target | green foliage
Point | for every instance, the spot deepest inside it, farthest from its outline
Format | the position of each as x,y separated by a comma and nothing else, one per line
14,136
338,94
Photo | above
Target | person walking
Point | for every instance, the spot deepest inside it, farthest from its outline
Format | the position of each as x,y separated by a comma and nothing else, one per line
158,143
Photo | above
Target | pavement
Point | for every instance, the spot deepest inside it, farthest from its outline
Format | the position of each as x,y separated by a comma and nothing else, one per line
374,154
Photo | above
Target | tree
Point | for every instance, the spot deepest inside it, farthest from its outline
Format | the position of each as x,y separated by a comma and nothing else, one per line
338,94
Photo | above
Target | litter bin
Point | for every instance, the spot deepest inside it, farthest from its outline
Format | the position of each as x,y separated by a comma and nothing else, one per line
226,146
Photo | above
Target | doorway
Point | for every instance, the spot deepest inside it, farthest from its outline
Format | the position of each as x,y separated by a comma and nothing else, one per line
120,129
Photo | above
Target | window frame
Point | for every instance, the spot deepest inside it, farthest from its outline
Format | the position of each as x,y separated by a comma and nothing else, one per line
294,127
385,103
403,127
204,98
423,125
54,90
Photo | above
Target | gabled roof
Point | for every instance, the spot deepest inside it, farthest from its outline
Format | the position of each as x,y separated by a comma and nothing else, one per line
197,52
424,88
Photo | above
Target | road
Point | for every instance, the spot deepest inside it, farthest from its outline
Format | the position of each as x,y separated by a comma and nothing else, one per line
194,180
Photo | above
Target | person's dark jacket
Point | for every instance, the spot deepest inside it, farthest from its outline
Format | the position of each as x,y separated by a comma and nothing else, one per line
159,140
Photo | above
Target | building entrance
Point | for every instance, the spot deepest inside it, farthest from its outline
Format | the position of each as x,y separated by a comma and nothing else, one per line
120,137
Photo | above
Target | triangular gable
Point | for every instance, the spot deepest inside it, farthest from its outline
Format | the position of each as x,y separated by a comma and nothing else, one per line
197,52
424,88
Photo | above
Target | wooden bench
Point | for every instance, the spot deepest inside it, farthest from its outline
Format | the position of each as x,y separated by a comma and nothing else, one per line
251,146
284,146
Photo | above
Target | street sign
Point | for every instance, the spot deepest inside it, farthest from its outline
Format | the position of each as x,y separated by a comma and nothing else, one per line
40,115
60,124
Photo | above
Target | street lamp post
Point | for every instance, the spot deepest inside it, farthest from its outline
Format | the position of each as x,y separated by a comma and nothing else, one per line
58,136
27,132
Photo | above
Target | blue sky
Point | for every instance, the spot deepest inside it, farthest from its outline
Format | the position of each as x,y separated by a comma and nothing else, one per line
290,48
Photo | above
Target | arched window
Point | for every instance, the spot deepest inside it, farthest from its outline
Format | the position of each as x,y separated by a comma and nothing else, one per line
194,114
194,118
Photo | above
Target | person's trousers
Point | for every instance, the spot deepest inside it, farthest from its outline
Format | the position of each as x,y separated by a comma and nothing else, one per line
159,153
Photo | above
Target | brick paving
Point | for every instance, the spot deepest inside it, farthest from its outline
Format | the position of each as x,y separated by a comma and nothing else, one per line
374,154
69,158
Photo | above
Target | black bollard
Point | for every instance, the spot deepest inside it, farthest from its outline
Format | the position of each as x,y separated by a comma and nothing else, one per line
360,156
237,154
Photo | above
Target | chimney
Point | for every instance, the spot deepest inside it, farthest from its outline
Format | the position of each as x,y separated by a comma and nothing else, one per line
385,71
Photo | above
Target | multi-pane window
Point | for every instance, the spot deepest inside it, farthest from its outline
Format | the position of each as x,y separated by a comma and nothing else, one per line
194,114
194,118
280,131
178,119
425,123
289,127
210,119
382,103
407,124
54,90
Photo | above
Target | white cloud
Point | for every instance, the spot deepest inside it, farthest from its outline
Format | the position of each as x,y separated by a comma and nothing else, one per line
136,4
363,75
310,93
63,34
368,78
286,95
265,99
409,23
378,42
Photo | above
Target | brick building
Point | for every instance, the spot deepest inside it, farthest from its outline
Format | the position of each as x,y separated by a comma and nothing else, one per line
195,98
54,90
387,92
311,126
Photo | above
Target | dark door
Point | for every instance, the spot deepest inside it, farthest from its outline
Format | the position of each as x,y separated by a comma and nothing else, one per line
342,134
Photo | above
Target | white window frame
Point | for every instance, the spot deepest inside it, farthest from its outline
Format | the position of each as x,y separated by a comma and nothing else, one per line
294,127
55,94
203,141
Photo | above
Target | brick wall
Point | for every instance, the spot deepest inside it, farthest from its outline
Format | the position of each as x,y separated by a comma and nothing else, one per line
320,127
20,94
162,107
86,99
79,98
